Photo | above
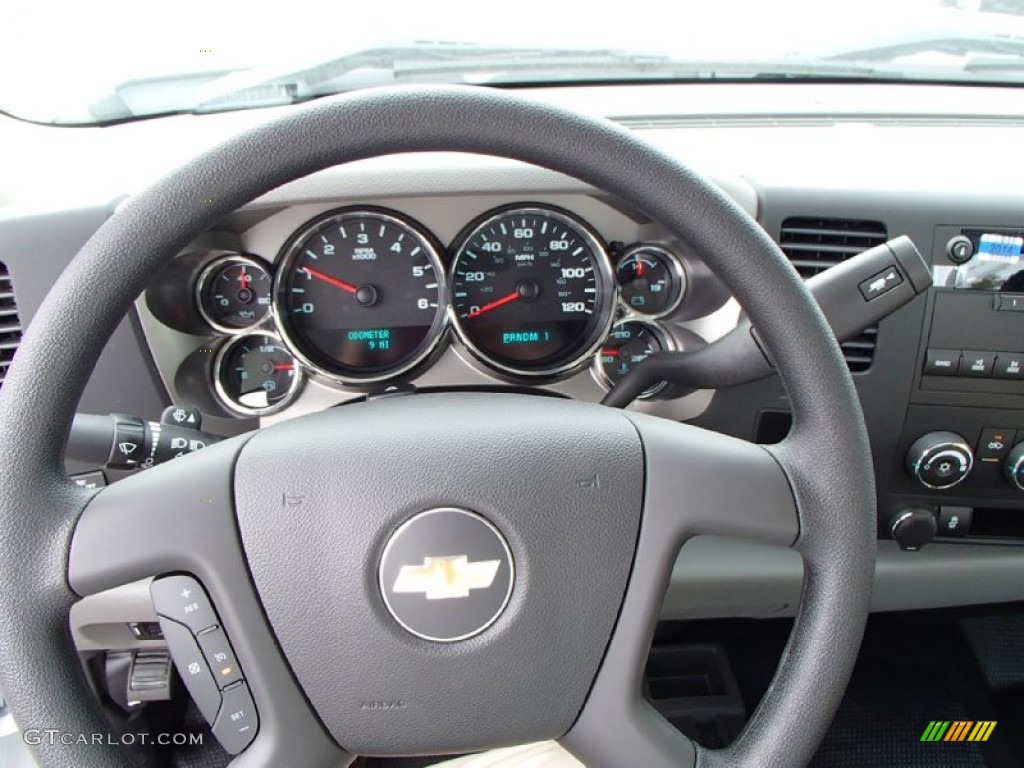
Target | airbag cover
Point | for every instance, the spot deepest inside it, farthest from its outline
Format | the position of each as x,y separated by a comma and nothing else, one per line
318,499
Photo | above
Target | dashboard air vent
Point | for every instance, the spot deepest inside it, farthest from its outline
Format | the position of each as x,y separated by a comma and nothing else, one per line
10,325
814,245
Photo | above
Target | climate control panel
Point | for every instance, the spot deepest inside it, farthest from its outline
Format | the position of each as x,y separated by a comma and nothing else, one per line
942,460
966,482
956,455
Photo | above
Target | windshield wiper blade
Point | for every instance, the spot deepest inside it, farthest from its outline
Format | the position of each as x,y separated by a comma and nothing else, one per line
955,41
498,65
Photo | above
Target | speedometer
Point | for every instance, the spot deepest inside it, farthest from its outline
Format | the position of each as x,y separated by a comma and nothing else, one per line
532,290
360,295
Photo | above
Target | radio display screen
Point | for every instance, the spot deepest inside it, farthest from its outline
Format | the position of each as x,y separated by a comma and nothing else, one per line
998,263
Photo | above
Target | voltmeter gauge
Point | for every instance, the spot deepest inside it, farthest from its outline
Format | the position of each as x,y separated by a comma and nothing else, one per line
629,344
254,374
651,280
233,293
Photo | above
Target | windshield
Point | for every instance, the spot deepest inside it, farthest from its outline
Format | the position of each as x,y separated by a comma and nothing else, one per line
107,61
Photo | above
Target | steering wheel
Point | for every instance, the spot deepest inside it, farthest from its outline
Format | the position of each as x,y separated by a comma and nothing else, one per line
568,514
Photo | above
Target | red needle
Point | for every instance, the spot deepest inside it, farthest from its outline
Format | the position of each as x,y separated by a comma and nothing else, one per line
284,366
244,278
494,304
330,280
639,268
610,352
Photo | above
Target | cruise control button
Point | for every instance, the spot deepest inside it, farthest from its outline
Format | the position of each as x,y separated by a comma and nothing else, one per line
192,668
942,362
181,599
994,444
237,722
977,364
1009,366
215,646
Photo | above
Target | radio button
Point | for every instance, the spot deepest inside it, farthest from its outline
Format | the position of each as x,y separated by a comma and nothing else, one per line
1009,366
1010,302
977,364
942,362
960,249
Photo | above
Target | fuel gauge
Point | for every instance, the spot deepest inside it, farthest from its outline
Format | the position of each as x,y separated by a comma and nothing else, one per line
255,375
651,279
629,344
233,293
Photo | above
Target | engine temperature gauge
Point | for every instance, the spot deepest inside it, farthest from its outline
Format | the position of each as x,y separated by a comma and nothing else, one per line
629,344
651,279
255,375
233,293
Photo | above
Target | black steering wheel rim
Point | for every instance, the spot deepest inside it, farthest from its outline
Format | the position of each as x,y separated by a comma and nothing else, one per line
826,458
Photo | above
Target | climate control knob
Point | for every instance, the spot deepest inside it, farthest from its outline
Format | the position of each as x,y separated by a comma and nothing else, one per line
1014,466
940,460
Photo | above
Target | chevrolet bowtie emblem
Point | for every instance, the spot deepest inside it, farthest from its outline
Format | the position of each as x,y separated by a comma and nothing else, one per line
443,578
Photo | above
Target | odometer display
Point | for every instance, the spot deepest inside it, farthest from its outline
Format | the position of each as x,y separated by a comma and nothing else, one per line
532,291
361,295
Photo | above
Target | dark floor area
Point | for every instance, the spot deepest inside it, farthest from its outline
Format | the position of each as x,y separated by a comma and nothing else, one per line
913,668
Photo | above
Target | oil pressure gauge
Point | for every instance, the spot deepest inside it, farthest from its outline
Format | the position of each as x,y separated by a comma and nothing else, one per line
233,293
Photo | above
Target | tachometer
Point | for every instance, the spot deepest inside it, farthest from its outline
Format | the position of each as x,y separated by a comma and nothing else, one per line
532,290
360,295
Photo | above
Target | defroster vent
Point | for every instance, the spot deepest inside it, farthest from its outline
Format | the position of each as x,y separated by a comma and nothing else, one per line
814,245
10,325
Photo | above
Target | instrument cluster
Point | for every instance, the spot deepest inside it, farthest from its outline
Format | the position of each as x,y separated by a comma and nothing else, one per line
366,297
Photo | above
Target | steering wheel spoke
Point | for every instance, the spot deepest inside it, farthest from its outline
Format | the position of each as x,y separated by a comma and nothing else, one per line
180,518
697,482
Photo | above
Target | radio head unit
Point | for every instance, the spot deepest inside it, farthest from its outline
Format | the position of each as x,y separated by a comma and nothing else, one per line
997,265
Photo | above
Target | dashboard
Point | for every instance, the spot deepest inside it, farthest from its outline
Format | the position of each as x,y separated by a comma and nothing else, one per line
276,312
317,304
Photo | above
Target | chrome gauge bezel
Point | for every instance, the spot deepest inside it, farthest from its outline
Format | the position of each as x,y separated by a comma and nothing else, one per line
606,293
243,410
678,272
286,260
665,338
214,267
